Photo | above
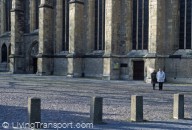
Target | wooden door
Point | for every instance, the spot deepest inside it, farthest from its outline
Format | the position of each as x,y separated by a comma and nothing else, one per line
138,70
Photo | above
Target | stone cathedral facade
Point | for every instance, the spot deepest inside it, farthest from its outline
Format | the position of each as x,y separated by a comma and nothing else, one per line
106,39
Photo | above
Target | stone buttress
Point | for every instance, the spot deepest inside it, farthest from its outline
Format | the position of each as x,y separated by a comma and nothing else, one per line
17,30
75,38
45,56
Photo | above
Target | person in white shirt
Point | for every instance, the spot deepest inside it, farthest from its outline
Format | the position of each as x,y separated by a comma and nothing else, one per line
160,78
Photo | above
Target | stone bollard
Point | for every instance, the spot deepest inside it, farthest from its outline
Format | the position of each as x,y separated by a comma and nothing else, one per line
178,106
136,108
34,112
96,110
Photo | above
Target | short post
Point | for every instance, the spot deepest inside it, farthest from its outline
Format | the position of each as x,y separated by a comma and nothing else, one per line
96,110
136,108
34,112
178,106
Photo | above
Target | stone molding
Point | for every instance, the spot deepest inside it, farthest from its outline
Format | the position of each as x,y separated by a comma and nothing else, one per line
76,2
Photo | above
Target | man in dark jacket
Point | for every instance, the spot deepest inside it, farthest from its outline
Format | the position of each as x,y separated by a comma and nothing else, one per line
153,79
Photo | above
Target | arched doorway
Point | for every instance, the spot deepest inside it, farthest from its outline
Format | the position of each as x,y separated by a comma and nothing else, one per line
4,53
33,52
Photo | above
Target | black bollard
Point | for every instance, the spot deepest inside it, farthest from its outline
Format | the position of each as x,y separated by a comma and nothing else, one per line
136,108
178,106
96,110
34,112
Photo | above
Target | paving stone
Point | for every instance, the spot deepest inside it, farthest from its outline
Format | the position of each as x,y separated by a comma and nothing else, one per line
67,100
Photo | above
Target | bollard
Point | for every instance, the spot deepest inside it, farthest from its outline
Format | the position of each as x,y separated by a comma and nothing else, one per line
136,108
96,110
34,112
178,106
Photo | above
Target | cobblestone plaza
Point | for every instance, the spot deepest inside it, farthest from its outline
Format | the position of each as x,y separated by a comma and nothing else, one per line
66,100
105,39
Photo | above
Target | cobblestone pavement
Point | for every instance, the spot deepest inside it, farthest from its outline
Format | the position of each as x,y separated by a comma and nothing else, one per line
67,100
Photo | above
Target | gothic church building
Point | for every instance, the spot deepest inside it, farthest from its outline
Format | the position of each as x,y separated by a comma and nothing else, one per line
105,39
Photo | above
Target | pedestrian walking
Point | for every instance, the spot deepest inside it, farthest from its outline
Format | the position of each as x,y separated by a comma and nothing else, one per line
160,78
153,79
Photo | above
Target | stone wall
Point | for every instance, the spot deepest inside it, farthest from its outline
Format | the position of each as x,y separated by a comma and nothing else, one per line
60,66
89,23
2,17
93,67
116,60
171,30
59,26
179,70
124,69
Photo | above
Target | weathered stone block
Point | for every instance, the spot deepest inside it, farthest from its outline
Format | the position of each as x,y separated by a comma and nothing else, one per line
96,110
136,108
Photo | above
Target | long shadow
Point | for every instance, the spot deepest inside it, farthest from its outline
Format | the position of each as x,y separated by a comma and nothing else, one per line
17,118
147,125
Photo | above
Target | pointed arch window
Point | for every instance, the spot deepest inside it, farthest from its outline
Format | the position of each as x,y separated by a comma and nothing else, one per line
26,15
140,24
65,25
8,6
37,3
185,24
99,24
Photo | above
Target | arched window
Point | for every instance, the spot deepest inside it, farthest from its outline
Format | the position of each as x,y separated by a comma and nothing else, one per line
99,24
140,24
65,25
185,24
8,6
26,15
4,53
37,2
